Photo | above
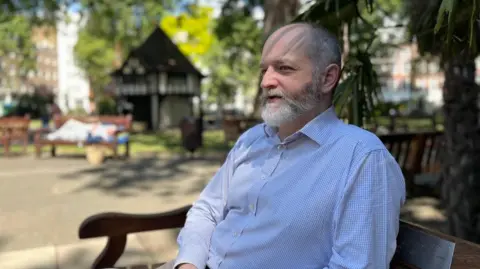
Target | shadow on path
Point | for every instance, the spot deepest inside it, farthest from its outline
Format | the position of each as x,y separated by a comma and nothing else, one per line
129,178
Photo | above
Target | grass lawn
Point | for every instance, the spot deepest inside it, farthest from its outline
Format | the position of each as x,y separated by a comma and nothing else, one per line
170,141
165,142
412,123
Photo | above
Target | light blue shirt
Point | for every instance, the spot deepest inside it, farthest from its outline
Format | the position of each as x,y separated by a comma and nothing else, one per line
328,196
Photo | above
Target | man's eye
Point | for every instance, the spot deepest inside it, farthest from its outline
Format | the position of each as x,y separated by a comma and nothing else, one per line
285,68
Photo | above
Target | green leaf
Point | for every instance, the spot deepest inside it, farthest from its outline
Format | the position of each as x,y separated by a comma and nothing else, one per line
447,6
473,25
343,92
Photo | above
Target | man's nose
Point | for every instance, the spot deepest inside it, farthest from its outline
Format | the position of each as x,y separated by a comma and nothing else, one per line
268,80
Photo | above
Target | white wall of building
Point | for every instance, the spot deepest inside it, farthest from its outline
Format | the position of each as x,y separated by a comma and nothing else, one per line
73,86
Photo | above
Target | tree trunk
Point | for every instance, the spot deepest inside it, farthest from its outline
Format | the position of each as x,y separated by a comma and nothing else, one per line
461,172
277,13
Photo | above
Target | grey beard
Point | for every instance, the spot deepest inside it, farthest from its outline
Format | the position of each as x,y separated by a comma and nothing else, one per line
294,107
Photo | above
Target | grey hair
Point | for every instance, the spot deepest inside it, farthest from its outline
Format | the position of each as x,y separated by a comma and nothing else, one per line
323,49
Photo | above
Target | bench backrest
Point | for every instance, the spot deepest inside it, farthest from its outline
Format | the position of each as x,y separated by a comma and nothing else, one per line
123,121
14,125
421,248
416,152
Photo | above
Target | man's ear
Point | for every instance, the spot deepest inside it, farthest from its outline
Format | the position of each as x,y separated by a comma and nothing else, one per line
331,78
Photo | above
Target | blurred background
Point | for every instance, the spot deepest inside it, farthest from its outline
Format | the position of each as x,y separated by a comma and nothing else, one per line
182,77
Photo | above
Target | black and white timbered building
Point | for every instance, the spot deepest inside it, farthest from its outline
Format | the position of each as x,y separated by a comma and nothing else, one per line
159,81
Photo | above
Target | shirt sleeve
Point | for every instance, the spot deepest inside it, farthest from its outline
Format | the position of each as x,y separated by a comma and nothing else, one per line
367,218
208,210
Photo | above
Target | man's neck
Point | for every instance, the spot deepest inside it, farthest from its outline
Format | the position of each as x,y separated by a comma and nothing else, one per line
290,128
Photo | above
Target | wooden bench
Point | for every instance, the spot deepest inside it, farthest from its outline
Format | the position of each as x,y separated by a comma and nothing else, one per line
416,153
14,128
122,121
411,237
233,127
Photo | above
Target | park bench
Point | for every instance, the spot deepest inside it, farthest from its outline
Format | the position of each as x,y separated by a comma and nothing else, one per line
417,246
125,122
416,153
233,127
14,128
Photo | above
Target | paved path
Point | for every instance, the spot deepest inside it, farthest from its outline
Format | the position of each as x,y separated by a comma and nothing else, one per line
43,202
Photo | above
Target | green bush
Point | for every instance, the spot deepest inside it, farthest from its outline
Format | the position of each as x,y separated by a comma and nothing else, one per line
106,106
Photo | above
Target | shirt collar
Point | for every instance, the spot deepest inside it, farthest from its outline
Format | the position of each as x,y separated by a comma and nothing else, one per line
319,129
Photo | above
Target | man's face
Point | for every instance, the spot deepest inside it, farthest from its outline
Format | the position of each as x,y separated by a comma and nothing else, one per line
288,88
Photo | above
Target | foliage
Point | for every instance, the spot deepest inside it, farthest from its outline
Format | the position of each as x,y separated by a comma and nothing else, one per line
111,30
15,37
113,22
459,33
234,52
95,56
33,104
106,40
106,105
194,26
450,8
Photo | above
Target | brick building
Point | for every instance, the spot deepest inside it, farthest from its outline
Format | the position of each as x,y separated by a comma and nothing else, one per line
46,75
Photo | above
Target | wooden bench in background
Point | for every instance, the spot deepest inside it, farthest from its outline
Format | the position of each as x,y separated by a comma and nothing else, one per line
416,153
411,238
123,121
14,128
233,127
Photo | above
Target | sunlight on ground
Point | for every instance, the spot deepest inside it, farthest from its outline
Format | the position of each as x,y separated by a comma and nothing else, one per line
424,209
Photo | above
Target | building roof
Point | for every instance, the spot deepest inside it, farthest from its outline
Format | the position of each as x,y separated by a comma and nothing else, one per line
159,53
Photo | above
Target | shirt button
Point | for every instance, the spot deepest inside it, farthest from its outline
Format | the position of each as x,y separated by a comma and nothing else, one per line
252,207
235,234
263,177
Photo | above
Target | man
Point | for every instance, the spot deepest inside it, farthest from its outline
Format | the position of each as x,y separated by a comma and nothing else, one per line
303,190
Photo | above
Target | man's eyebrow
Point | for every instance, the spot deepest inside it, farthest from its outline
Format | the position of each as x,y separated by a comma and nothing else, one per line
282,61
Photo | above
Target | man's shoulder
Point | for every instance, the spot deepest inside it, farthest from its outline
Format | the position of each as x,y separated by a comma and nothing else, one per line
361,139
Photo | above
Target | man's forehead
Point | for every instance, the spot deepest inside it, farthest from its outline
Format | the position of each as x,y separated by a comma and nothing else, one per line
287,42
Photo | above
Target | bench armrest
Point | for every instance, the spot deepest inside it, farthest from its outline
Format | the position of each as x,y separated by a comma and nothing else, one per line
116,226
